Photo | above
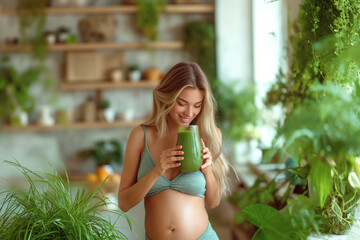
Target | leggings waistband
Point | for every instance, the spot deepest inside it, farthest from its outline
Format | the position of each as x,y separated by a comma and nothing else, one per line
209,234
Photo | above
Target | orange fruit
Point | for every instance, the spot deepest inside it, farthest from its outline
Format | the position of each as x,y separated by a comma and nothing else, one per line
91,177
103,172
115,178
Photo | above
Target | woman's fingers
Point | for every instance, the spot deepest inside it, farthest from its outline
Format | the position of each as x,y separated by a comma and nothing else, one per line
176,153
206,164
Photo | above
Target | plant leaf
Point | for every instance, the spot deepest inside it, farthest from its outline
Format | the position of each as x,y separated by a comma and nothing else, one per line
272,225
321,181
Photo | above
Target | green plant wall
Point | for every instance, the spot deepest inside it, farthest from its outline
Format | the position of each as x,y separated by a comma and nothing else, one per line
323,31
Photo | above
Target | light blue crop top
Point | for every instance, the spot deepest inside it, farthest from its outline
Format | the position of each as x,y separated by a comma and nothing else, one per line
192,183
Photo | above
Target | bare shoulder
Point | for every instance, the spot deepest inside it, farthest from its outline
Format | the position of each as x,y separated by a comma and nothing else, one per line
151,133
134,148
137,133
136,141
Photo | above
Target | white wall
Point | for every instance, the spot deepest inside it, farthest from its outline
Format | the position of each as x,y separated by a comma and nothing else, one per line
234,40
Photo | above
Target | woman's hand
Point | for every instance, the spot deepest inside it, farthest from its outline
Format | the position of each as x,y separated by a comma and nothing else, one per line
169,159
207,158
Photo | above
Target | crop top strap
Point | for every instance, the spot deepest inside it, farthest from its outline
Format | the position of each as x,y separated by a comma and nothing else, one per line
145,135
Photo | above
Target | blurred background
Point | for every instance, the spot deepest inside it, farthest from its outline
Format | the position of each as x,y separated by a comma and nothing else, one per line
77,75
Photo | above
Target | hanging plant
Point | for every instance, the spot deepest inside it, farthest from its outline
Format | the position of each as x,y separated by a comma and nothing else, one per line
322,32
147,17
199,40
32,20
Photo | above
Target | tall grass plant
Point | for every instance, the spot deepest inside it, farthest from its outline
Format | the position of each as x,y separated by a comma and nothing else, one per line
51,209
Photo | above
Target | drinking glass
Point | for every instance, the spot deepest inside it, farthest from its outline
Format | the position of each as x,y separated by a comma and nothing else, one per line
189,138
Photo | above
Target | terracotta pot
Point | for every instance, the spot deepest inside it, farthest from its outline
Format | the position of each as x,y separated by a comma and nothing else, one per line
153,74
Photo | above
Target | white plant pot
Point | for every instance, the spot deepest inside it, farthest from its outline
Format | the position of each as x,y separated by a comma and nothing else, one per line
109,115
46,118
24,118
135,76
129,115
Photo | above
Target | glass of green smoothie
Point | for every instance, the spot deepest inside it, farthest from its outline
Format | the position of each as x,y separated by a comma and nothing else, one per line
189,138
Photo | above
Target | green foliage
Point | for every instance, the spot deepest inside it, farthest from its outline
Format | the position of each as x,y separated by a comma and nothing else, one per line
147,17
317,21
14,89
134,68
199,40
105,152
237,112
261,192
271,224
236,109
296,221
32,20
105,104
49,209
323,134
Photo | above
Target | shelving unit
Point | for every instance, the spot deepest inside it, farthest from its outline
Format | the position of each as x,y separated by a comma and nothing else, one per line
100,87
174,45
76,125
107,85
123,9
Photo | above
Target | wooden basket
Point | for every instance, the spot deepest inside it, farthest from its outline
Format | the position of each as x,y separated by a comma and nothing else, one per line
92,66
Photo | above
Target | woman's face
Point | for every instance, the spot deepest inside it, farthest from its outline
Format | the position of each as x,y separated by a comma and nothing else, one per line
187,106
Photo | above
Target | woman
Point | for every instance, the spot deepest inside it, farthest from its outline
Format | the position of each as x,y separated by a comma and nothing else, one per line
174,201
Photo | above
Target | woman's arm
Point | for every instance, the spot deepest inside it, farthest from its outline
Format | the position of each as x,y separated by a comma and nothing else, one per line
213,193
131,191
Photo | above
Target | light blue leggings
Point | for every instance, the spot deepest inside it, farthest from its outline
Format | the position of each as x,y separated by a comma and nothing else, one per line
209,234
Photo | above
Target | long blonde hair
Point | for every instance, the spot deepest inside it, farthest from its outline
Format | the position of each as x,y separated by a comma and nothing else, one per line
189,75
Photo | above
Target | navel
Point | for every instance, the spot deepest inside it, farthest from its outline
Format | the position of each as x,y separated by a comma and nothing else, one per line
172,228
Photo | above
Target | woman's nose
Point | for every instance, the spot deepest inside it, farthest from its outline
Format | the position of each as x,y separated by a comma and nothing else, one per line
188,111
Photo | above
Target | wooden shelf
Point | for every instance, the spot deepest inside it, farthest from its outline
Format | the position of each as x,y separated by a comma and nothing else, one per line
106,85
173,45
124,9
77,125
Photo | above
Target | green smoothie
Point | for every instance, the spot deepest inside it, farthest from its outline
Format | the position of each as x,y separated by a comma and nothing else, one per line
189,138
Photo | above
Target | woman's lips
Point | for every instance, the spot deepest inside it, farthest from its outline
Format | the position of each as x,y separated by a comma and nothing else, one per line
184,119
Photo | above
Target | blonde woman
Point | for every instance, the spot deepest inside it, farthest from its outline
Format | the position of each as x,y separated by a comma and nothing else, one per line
174,200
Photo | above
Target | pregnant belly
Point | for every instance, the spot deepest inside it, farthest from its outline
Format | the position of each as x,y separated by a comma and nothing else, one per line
173,215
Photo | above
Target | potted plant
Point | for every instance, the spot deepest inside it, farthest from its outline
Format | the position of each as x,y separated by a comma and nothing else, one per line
321,135
321,97
104,153
153,74
134,73
50,209
15,96
106,112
